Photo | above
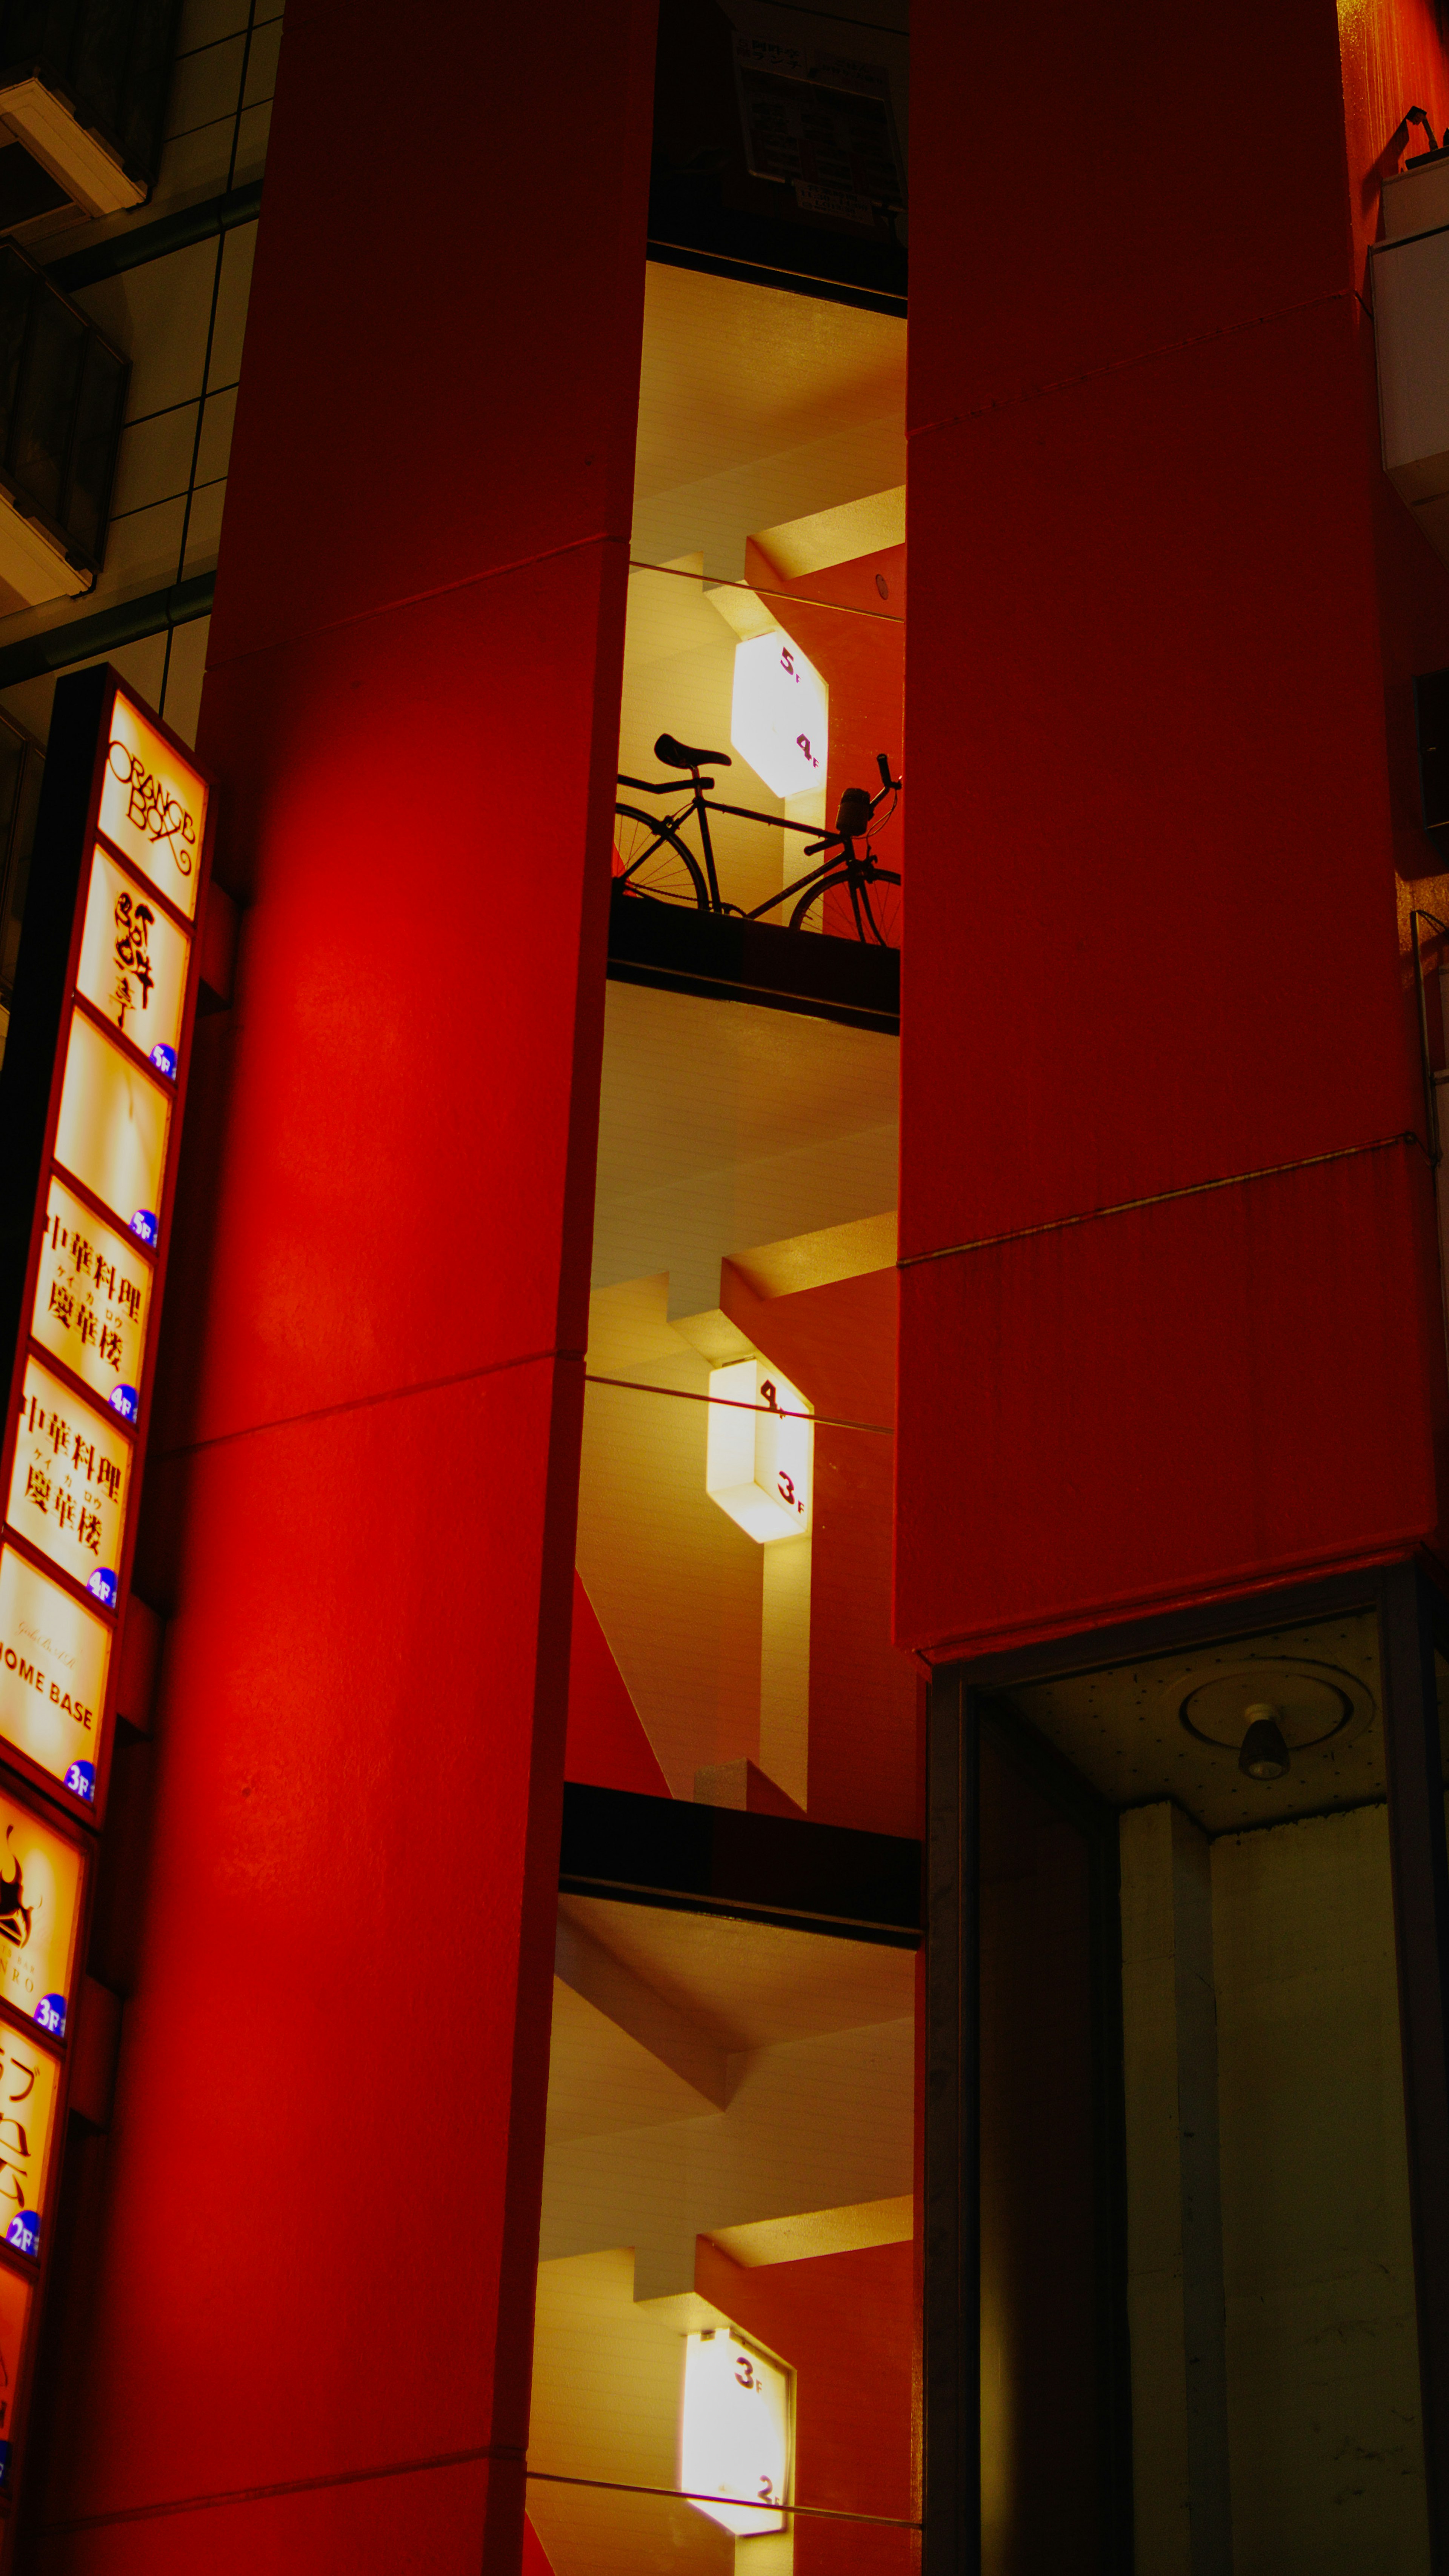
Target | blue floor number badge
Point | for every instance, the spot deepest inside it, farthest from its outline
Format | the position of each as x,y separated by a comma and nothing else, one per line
125,1401
102,1584
80,1779
147,1225
50,2011
23,2231
164,1059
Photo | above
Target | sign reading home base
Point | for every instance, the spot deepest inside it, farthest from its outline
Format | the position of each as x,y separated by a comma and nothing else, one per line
54,1661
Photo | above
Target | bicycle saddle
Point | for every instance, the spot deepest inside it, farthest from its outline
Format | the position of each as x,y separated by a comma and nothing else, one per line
678,755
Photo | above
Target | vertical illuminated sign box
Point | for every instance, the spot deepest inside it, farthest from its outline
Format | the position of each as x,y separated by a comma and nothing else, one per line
91,1094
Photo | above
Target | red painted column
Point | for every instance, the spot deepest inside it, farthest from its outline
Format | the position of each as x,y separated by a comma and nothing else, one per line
1170,1309
305,2341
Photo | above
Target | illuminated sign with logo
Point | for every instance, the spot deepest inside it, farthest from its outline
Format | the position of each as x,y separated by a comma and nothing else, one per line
780,714
734,2432
153,805
40,1897
760,1455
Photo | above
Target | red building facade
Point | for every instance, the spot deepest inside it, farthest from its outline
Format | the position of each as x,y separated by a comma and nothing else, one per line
1171,1344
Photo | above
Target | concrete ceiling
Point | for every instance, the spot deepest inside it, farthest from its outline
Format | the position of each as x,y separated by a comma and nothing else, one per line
750,1985
723,1126
758,406
1121,1727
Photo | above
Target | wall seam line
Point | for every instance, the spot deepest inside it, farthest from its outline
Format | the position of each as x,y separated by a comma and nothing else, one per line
362,1403
1160,1198
419,598
506,2453
1134,358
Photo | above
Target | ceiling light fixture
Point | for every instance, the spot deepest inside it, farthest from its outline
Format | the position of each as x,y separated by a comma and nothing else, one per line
1264,1756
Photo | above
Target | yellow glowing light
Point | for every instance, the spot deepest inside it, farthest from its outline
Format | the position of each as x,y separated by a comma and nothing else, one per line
27,2112
40,1885
760,1456
54,1658
133,964
734,2432
153,805
780,715
16,2294
112,1129
69,1482
92,1296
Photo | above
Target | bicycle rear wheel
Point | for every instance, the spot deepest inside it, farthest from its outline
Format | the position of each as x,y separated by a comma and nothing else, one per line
652,860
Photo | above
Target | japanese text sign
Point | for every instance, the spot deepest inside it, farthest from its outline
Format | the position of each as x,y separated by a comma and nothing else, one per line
133,964
69,1481
92,1300
28,2087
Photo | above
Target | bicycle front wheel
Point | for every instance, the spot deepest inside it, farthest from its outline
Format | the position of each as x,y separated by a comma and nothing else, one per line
652,860
854,904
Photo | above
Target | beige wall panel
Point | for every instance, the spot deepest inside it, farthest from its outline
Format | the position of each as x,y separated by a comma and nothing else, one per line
1327,2471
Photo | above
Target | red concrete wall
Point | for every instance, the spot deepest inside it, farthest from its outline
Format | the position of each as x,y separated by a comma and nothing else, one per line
308,2325
1153,1343
606,1744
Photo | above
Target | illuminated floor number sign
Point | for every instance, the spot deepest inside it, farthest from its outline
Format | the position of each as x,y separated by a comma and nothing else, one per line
99,1048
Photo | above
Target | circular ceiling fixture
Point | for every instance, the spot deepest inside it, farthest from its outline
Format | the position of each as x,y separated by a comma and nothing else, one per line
1311,1703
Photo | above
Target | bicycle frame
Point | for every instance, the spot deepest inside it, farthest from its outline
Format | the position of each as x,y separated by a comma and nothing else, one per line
842,868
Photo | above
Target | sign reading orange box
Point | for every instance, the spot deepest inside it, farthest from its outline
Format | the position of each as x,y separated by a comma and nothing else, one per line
153,805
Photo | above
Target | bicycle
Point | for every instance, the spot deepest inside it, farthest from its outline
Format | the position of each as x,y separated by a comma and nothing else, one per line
656,863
